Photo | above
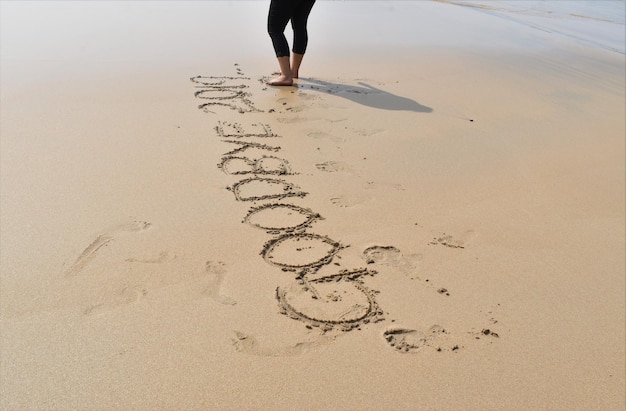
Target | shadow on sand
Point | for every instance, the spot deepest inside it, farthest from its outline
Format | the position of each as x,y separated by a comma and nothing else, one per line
365,94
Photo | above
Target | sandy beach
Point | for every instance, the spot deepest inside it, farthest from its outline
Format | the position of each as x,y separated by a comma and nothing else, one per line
431,218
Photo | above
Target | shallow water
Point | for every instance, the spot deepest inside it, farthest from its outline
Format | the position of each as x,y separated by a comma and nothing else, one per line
610,11
481,23
591,22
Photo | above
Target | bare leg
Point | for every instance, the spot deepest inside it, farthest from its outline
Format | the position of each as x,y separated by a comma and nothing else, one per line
285,78
296,60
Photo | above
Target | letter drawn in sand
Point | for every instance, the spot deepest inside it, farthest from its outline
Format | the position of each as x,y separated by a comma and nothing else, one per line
226,92
266,165
247,145
340,301
276,218
257,188
236,130
301,250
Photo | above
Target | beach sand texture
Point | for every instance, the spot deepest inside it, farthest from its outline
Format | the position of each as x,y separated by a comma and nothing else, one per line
431,218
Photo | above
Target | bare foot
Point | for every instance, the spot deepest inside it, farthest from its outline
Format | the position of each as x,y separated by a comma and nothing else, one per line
281,80
278,73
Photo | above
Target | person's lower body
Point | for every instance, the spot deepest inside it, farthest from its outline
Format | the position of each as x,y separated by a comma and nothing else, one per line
281,12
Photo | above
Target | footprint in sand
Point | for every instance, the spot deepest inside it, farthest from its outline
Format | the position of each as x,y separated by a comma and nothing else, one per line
368,193
392,257
296,119
370,185
103,240
163,257
450,241
407,340
109,299
248,344
128,283
215,277
323,135
365,132
334,166
296,108
349,200
115,279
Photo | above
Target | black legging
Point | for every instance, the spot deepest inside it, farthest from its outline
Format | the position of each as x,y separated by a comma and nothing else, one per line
281,11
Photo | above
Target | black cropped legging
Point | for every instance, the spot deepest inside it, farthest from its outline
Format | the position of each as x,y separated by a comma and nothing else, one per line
281,11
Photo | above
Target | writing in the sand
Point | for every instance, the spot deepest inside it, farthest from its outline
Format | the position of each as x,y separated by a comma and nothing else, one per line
320,294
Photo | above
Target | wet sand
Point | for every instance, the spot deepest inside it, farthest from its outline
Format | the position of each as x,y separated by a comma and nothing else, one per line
413,226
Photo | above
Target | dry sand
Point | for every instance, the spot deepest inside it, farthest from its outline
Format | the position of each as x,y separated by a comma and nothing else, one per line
443,229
